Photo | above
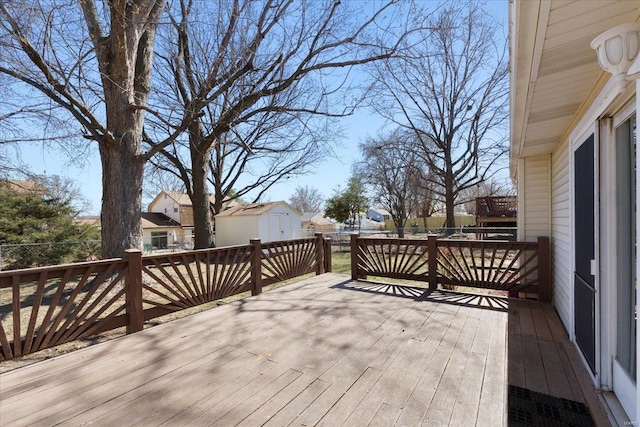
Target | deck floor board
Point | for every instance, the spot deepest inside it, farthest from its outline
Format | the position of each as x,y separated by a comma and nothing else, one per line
324,351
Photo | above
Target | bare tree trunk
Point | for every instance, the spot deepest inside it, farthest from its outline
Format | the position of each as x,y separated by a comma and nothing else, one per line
122,172
399,226
124,58
449,196
202,224
126,69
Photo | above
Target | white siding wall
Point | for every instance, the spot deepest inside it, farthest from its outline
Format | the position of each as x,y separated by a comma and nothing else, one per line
171,231
534,203
236,230
167,206
561,232
239,229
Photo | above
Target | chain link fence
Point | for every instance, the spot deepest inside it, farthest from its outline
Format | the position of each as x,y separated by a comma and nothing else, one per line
26,255
341,240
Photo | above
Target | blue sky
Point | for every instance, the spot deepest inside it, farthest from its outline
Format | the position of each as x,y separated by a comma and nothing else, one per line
325,177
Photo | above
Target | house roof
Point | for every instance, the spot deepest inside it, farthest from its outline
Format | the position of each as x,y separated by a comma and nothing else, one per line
182,199
316,218
157,220
555,73
93,220
253,209
381,211
24,186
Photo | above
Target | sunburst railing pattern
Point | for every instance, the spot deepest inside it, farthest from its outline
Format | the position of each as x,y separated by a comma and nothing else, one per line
394,258
287,259
48,306
502,265
176,281
506,266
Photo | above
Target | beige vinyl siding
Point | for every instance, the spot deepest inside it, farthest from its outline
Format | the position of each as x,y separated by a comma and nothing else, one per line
534,210
232,230
561,232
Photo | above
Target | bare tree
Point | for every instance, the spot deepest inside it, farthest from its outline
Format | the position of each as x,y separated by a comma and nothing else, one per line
396,176
451,92
94,61
261,80
65,192
307,199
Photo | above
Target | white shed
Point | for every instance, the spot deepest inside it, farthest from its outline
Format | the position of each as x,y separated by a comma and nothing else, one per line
268,222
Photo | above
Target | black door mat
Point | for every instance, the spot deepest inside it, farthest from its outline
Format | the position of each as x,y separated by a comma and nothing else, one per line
530,408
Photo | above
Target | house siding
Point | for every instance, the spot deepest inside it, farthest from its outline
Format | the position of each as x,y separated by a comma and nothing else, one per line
534,211
167,206
561,232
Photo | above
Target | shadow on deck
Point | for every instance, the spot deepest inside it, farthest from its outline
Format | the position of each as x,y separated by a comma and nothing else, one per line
324,351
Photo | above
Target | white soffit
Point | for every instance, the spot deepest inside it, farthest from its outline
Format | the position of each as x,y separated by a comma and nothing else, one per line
554,69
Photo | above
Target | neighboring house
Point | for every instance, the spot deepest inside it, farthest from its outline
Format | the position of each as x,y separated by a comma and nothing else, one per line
269,222
496,212
378,215
24,187
176,206
179,208
574,158
316,222
161,232
92,220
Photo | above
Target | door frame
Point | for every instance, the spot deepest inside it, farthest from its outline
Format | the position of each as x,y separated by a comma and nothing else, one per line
576,142
613,377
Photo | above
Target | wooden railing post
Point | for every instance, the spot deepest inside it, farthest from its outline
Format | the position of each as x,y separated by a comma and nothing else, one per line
256,267
319,254
17,306
328,268
432,254
354,257
133,290
544,269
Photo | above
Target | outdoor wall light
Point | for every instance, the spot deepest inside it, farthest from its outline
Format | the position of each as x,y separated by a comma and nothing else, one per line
617,49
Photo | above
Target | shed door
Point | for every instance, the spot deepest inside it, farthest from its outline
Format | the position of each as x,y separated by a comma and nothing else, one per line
279,227
584,244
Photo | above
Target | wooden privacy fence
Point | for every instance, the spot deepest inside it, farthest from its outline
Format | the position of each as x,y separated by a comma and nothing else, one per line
502,265
48,306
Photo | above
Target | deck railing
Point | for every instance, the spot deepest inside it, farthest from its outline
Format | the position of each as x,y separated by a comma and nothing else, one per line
516,267
48,306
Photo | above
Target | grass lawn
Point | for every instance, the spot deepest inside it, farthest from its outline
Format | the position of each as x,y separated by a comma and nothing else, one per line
341,262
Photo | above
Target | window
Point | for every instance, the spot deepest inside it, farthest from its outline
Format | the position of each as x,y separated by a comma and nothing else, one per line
159,239
175,209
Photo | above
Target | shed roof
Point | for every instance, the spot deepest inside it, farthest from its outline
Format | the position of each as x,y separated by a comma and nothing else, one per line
254,209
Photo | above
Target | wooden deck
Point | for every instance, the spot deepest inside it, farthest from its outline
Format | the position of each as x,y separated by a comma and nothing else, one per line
325,351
